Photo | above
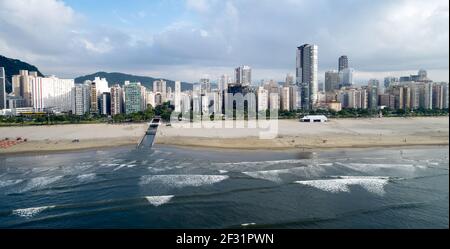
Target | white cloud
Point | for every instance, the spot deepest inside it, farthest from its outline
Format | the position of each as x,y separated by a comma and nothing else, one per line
380,37
198,5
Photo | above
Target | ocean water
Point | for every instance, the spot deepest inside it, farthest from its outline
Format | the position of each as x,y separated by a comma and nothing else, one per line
167,187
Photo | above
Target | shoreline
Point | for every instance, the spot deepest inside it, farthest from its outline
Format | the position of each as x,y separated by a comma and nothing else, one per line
212,148
195,145
292,135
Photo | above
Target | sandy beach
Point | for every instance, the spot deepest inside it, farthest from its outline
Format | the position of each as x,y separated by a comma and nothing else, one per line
291,134
337,133
59,137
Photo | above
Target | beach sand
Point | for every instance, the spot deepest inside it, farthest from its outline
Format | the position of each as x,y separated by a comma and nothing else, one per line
59,137
291,134
337,133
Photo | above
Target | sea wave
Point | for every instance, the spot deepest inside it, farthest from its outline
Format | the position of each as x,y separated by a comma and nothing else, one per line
265,163
39,182
270,175
159,200
86,177
30,212
373,184
7,183
180,181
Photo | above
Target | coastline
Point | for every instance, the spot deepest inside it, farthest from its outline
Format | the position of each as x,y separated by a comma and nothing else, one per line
292,135
59,138
340,133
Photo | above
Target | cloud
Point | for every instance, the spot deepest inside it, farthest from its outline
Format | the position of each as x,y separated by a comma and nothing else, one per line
198,5
35,25
211,37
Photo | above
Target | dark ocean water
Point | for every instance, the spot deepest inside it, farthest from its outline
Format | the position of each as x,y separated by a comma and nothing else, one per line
167,187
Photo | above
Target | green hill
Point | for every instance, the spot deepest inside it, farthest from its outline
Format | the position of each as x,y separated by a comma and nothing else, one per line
120,78
12,67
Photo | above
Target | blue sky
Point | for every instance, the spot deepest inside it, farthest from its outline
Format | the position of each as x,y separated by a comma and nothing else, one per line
150,16
189,39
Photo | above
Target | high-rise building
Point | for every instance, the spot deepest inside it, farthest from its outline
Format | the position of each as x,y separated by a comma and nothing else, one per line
45,93
373,97
223,82
243,75
105,103
294,98
160,91
80,99
94,97
346,77
205,85
390,81
332,81
151,98
306,72
376,83
440,96
289,80
387,100
426,95
285,99
343,63
274,92
2,88
21,86
101,85
421,76
177,96
133,97
263,98
116,100
144,98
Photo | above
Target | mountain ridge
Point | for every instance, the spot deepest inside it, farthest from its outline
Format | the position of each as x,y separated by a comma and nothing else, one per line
120,78
12,67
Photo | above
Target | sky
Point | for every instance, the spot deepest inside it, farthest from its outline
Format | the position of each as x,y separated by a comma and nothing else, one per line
190,39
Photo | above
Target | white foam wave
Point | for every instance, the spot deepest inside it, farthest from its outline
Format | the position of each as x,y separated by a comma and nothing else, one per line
265,163
156,170
39,182
179,181
374,168
248,224
86,177
30,212
370,183
119,167
159,200
270,175
223,171
109,164
7,183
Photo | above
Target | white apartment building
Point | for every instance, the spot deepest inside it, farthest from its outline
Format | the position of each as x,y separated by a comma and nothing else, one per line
285,102
51,93
263,98
101,85
177,96
151,98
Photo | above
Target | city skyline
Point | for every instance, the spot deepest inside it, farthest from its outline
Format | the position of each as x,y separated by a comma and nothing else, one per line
143,39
